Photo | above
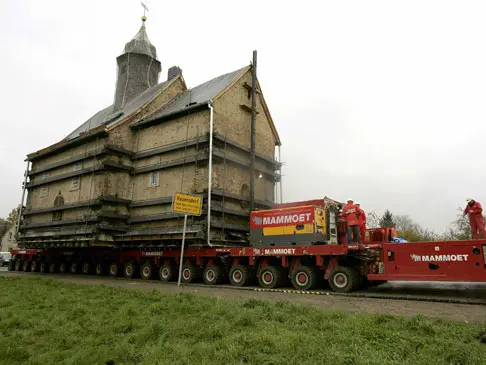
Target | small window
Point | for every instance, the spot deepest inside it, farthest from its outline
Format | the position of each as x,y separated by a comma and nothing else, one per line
75,182
44,191
154,179
77,166
45,175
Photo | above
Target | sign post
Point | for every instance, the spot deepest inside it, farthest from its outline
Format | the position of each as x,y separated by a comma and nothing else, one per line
188,205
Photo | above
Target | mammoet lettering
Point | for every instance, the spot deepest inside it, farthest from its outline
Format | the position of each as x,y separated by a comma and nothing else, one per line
439,258
287,219
279,251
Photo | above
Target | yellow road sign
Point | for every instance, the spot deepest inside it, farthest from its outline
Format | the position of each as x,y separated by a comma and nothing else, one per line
187,204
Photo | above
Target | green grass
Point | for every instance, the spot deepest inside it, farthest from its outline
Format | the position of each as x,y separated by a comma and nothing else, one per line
47,322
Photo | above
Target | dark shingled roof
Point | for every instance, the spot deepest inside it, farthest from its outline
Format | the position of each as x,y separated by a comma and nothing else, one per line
107,117
188,99
193,97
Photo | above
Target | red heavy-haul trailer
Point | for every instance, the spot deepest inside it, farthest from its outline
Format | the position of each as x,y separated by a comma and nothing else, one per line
296,242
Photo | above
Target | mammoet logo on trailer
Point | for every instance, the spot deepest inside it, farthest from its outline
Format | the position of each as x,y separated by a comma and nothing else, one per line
439,258
282,217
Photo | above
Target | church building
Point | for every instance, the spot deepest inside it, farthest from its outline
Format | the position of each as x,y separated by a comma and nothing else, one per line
111,181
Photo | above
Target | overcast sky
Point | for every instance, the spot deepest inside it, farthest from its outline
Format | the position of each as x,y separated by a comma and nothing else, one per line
381,101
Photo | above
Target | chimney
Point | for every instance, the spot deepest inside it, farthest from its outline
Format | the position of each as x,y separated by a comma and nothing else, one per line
173,72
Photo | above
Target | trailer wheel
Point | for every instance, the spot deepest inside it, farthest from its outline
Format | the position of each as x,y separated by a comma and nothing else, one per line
52,268
73,269
190,273
33,266
114,269
43,267
239,275
63,267
129,270
270,277
26,266
18,265
86,268
212,275
344,279
146,271
303,278
166,272
100,269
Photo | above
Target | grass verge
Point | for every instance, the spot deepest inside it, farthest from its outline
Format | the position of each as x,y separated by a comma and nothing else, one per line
48,322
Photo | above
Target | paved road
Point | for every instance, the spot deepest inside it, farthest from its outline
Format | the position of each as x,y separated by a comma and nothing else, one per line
458,312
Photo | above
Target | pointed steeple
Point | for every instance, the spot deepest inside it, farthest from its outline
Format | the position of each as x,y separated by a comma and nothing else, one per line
138,68
141,44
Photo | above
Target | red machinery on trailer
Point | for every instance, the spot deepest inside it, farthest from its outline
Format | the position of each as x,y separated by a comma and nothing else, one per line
296,241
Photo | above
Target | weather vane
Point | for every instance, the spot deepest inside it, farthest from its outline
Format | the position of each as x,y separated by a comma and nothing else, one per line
145,9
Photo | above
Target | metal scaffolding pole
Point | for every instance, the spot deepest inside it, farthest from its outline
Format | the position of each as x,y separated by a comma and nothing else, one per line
252,132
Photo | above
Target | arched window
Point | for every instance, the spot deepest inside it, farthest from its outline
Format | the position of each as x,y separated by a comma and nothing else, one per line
59,201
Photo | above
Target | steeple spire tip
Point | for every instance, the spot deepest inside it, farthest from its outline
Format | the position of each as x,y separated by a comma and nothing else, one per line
145,9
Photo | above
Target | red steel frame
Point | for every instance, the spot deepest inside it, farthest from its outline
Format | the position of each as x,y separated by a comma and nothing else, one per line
418,261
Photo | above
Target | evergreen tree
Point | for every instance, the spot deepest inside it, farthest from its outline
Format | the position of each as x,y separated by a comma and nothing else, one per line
387,220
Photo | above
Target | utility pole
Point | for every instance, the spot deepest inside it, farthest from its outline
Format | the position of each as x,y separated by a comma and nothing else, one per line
253,129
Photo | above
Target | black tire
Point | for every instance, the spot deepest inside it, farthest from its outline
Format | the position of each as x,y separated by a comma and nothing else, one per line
52,268
43,267
11,265
212,275
344,279
86,269
74,267
34,267
270,277
239,275
190,273
100,269
167,273
26,266
18,265
129,270
146,271
63,267
114,269
303,278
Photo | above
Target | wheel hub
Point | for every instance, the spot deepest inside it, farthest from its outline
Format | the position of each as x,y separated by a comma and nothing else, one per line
340,280
210,275
237,276
302,278
165,273
146,271
267,277
186,273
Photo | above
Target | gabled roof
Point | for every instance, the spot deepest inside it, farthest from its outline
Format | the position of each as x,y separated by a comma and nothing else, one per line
107,117
197,96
